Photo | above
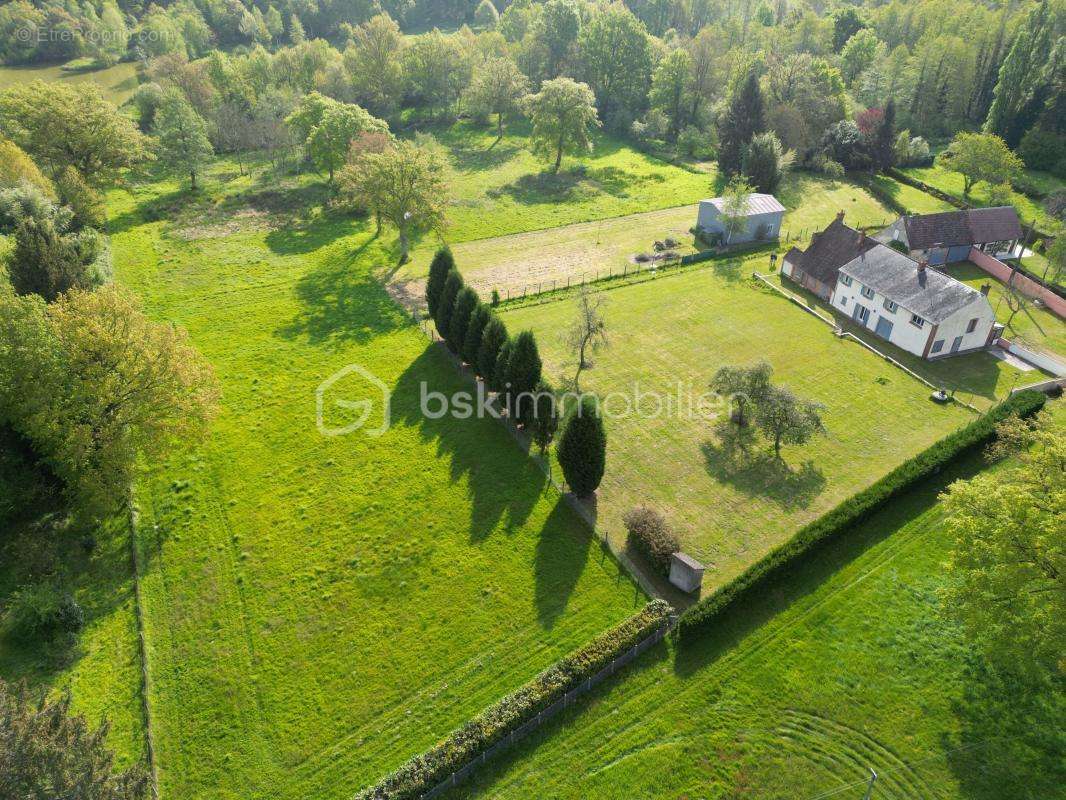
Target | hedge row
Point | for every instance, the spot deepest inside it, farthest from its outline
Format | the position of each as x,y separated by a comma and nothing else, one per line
495,723
854,510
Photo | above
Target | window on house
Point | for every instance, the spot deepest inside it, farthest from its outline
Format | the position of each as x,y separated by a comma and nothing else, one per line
843,302
972,326
917,321
938,345
867,292
890,306
845,279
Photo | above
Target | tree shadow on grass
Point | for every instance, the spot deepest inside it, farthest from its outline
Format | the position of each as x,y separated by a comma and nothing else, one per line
477,159
342,302
542,187
563,547
1011,740
154,209
503,485
776,592
732,458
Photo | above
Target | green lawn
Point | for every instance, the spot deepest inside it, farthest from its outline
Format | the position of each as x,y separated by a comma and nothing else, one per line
1033,327
846,666
116,83
914,200
671,334
101,668
952,183
321,608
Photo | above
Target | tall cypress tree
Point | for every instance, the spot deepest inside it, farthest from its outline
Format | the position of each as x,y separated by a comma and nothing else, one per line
745,117
523,375
453,284
474,331
582,447
500,369
443,263
492,339
1021,69
465,303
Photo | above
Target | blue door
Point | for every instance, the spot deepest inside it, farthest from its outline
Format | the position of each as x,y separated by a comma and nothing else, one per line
884,328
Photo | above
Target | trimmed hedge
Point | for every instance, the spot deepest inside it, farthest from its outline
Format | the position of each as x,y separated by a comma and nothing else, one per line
495,723
854,510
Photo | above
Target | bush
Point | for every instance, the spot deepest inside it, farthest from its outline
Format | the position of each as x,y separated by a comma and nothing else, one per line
495,723
582,448
42,610
775,565
898,246
649,535
1044,150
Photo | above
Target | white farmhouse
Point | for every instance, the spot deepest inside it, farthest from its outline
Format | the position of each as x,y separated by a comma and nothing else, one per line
763,219
904,301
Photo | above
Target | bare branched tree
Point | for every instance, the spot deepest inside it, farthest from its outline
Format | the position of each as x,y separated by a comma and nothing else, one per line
588,333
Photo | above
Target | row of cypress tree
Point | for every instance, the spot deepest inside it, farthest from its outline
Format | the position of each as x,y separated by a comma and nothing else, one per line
511,366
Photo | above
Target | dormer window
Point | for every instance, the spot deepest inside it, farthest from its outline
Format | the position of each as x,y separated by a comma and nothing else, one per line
868,292
891,307
845,279
917,321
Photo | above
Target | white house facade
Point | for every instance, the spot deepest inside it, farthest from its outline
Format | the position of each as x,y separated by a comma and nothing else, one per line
914,307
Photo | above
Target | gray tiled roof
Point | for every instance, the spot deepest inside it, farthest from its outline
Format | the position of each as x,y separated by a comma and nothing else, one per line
928,293
757,203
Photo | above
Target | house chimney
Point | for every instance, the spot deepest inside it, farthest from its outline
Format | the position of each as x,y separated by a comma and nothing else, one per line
986,288
923,264
862,238
840,215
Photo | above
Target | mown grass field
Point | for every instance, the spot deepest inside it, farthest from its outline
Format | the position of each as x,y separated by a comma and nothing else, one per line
1035,327
534,260
952,183
914,200
848,665
116,83
101,666
320,608
670,335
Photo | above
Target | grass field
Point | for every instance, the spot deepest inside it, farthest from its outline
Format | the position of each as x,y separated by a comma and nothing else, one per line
528,261
1033,327
914,200
847,666
952,183
116,83
101,669
318,609
670,335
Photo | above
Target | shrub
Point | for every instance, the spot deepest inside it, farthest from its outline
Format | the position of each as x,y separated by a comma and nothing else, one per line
443,263
649,535
495,297
495,723
86,204
583,448
42,610
854,510
1044,150
898,246
453,284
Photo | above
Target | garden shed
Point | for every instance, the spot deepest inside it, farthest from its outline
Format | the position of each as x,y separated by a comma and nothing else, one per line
764,217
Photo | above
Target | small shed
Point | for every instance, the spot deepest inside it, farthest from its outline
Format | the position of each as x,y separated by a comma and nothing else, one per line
764,217
686,573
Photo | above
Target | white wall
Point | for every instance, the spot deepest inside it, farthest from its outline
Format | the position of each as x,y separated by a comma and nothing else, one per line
904,334
909,336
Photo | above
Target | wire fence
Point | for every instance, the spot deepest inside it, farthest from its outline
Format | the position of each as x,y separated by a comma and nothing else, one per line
657,265
567,700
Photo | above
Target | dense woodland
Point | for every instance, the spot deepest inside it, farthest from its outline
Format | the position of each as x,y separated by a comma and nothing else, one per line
659,70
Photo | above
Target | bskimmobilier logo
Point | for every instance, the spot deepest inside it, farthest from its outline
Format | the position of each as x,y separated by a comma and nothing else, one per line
353,399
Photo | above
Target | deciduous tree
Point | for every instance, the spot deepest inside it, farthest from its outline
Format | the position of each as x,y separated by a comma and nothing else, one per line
787,419
980,157
496,88
588,331
563,113
182,135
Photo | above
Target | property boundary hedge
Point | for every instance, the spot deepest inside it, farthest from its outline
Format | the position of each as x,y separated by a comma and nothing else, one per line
854,510
424,772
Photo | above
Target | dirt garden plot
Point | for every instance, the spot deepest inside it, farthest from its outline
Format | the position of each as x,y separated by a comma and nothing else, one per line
524,261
